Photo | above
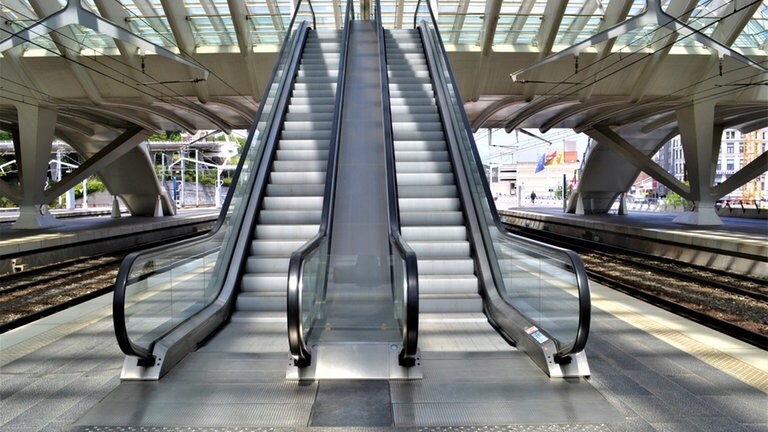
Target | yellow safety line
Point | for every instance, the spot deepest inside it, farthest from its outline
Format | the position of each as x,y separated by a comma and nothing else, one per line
733,366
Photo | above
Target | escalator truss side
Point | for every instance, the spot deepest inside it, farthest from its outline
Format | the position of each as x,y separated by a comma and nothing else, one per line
408,356
314,253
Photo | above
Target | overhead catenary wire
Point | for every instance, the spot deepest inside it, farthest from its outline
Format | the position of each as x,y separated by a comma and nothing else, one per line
175,96
582,85
162,96
621,54
181,50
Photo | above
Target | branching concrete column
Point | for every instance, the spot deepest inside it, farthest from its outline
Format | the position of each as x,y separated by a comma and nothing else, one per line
700,136
36,129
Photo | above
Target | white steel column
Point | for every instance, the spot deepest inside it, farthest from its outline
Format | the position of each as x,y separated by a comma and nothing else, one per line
36,131
700,136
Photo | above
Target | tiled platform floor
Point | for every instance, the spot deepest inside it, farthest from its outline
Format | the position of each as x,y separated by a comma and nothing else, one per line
52,372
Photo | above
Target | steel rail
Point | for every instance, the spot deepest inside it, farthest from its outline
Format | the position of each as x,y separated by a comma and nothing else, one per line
655,263
734,330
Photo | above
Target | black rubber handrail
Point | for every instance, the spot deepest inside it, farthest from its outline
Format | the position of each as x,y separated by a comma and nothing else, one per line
577,265
312,9
297,344
407,355
118,303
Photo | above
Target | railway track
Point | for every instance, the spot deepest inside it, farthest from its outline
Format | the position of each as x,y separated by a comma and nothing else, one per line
38,296
36,293
733,304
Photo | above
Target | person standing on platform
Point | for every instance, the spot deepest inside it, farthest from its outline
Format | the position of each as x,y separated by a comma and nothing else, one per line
533,197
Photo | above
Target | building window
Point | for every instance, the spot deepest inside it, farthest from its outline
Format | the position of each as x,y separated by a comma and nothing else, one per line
730,148
730,134
741,147
729,165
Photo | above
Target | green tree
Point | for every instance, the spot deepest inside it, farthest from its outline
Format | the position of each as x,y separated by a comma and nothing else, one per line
174,136
674,199
94,185
559,192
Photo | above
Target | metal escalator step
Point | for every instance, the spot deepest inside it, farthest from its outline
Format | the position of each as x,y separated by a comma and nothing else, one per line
306,134
412,126
287,232
465,303
296,217
411,79
444,266
256,302
398,48
265,317
318,71
403,67
306,189
434,233
314,93
292,203
410,94
264,282
441,249
309,116
411,102
313,101
423,86
282,248
424,167
425,179
426,218
399,59
316,65
436,191
421,145
404,108
266,264
314,108
428,204
302,155
397,74
303,144
405,55
307,125
295,177
455,284
417,135
318,86
315,79
326,51
296,166
422,156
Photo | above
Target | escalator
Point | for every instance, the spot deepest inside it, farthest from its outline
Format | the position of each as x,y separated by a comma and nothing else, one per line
430,207
293,201
474,276
360,224
359,242
225,293
470,276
